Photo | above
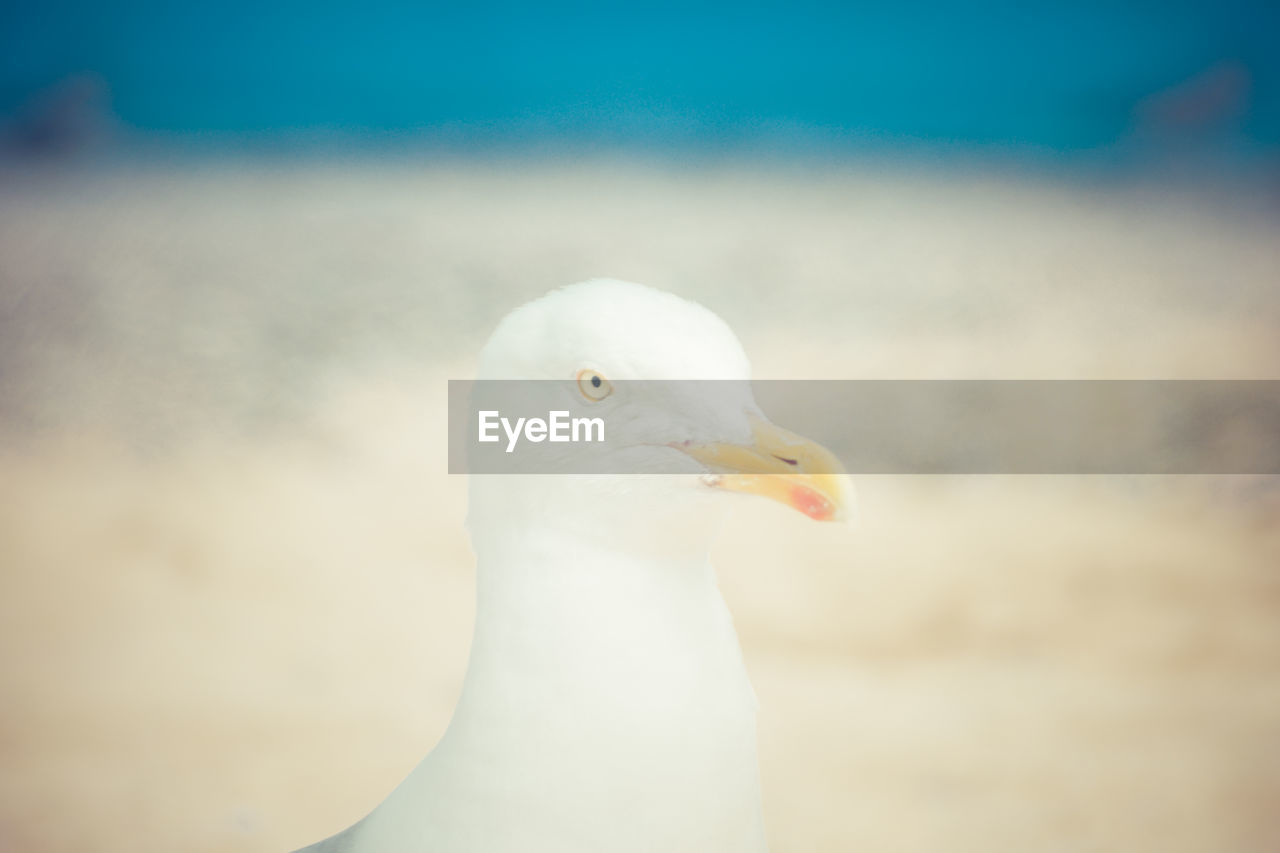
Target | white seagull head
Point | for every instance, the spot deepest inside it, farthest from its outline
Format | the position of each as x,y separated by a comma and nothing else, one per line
705,438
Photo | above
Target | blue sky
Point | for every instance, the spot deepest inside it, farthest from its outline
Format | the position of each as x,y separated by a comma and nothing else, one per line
1062,77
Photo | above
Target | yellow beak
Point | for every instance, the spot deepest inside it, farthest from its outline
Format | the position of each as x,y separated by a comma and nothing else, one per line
782,466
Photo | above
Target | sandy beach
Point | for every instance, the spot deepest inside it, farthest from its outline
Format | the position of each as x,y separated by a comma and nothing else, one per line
235,583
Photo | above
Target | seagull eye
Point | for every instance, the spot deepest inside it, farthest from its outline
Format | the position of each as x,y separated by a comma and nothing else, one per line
593,385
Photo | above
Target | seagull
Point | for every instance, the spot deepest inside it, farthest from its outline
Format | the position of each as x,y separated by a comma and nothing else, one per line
606,707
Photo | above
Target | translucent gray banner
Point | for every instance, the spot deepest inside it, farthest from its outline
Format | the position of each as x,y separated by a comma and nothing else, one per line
872,427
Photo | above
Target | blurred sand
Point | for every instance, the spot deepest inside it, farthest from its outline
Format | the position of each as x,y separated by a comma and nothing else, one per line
235,597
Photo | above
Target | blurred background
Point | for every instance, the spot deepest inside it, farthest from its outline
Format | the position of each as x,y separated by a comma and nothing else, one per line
242,249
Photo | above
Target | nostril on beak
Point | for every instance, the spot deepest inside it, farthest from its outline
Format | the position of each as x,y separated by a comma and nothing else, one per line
784,459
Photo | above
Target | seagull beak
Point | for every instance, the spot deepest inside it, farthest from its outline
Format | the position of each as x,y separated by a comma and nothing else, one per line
780,465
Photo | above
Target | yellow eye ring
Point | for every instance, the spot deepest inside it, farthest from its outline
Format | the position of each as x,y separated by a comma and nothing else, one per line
593,385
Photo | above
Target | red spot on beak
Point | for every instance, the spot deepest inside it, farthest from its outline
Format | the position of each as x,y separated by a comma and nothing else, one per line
811,503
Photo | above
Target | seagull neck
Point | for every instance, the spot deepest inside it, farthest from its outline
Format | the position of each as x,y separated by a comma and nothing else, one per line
552,573
614,628
605,689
